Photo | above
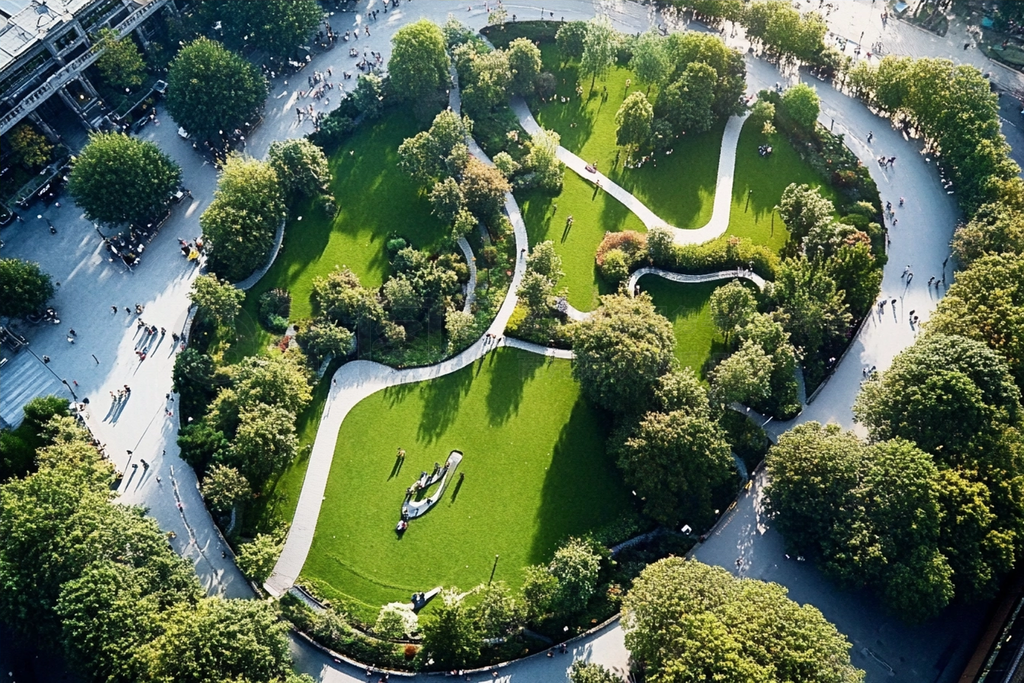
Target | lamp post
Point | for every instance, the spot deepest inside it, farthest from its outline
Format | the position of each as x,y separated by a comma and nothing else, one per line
493,569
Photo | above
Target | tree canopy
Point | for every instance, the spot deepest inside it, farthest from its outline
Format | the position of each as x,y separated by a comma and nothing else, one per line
301,169
687,621
121,63
119,179
240,223
419,61
633,121
276,27
24,288
621,351
211,90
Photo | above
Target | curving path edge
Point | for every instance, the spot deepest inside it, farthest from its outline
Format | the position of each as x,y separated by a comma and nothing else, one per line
715,227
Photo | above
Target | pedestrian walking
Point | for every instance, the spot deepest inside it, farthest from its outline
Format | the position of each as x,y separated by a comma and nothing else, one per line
910,276
46,359
114,309
871,136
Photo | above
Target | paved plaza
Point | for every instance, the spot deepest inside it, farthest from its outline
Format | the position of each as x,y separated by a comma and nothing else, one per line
143,429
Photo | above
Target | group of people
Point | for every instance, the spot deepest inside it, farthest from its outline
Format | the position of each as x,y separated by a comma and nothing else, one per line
191,249
764,150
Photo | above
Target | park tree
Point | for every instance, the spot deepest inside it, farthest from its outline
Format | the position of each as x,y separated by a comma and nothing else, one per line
240,224
211,89
985,304
24,288
322,338
275,27
857,274
650,59
542,159
29,147
219,640
418,66
811,308
278,379
802,208
119,179
525,62
591,672
688,102
571,39
257,558
801,105
489,82
685,620
451,638
341,298
194,382
225,487
744,377
500,613
446,200
301,169
545,261
995,228
120,62
599,48
732,306
575,566
369,95
395,621
202,443
484,188
460,326
633,122
621,351
427,156
686,48
217,300
675,462
264,443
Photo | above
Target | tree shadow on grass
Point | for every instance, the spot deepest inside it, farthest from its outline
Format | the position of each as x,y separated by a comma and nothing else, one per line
441,400
509,375
582,489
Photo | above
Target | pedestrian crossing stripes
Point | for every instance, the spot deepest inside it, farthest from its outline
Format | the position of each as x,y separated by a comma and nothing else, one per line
23,378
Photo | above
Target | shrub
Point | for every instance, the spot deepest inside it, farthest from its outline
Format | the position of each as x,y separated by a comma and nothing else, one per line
395,245
409,651
275,305
615,266
632,244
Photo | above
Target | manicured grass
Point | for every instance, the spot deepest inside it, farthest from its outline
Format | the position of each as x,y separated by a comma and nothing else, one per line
375,199
535,472
594,213
688,309
759,183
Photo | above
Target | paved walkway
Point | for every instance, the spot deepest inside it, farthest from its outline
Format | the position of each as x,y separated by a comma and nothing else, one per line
715,227
467,251
741,273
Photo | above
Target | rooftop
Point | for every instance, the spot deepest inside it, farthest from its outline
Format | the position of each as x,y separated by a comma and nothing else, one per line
27,21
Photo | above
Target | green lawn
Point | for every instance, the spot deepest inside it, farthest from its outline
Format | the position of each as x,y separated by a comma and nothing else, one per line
687,308
535,472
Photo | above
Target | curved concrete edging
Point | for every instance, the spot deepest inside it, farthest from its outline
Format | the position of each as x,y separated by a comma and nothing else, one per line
741,273
250,281
715,227
467,251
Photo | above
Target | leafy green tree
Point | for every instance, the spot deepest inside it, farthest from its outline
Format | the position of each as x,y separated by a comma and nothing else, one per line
599,48
688,103
570,39
460,327
257,558
576,566
732,306
240,224
685,620
225,487
743,377
342,299
24,288
633,122
219,640
394,621
217,300
650,59
264,444
29,147
278,379
120,62
539,589
525,63
995,228
591,672
301,168
544,260
446,200
275,27
489,83
763,112
484,188
985,304
202,443
211,89
689,47
621,351
542,159
419,61
119,179
499,613
802,208
322,338
426,155
369,95
675,461
451,638
856,273
194,382
801,104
